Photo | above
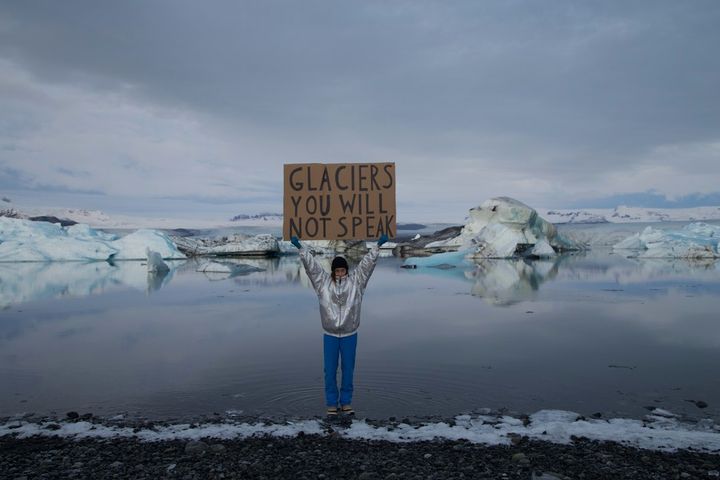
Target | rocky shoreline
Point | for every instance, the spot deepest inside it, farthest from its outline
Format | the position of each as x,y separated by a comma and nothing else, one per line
331,457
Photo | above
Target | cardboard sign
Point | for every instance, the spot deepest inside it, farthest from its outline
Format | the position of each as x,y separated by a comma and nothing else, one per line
339,201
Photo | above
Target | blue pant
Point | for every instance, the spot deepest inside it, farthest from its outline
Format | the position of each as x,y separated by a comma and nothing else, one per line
335,348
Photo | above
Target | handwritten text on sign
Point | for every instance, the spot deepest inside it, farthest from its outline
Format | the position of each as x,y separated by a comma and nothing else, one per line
339,201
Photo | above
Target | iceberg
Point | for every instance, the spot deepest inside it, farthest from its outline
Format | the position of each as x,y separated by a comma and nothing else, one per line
351,248
445,258
542,249
133,246
30,241
503,227
693,241
233,245
155,262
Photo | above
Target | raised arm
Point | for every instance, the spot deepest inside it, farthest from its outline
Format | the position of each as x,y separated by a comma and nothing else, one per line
367,264
315,272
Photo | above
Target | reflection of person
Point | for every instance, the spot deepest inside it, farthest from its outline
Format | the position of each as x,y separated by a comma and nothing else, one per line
340,294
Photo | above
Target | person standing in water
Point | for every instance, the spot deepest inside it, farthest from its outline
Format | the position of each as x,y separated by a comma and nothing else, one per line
340,294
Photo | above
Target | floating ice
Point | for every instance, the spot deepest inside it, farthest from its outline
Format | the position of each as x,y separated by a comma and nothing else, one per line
542,249
693,241
449,258
155,262
28,241
132,246
236,244
503,228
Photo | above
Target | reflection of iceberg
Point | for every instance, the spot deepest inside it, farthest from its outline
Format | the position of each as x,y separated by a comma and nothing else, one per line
696,240
500,281
222,270
504,282
23,282
267,272
596,266
156,279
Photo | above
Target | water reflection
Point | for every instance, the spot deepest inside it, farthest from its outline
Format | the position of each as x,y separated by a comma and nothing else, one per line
505,282
23,282
250,338
499,282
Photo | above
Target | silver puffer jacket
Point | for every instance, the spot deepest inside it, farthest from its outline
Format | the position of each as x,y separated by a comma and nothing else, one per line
340,301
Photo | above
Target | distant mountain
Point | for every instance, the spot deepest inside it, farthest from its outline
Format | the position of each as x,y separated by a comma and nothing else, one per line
258,216
623,214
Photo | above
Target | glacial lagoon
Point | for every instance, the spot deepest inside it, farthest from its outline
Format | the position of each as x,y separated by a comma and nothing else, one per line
595,333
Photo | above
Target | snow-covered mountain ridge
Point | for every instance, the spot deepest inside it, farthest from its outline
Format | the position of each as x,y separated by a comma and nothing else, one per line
623,214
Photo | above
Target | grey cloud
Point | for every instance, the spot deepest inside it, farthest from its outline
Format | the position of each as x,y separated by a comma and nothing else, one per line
564,93
610,78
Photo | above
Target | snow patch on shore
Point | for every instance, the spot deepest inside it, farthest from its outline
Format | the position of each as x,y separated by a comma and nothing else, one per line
654,432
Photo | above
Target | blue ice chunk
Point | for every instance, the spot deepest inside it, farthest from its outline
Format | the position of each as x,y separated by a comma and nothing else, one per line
447,258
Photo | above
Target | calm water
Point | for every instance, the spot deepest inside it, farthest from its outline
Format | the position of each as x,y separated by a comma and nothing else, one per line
590,333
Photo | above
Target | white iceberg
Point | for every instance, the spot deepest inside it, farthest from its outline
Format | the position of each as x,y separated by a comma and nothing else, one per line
28,241
504,228
155,262
693,241
323,247
134,245
237,244
242,244
542,249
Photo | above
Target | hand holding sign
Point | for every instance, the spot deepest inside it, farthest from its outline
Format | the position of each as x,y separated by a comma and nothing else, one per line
383,239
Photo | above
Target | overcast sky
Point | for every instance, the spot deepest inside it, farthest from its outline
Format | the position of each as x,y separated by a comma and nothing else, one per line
163,107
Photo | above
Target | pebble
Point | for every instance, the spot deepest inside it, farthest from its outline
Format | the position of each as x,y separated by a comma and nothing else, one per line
195,447
545,476
520,458
315,456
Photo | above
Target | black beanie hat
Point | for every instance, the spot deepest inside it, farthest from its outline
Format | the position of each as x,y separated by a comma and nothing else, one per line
339,262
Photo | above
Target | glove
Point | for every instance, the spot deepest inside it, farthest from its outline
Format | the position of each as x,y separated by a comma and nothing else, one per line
383,238
294,240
